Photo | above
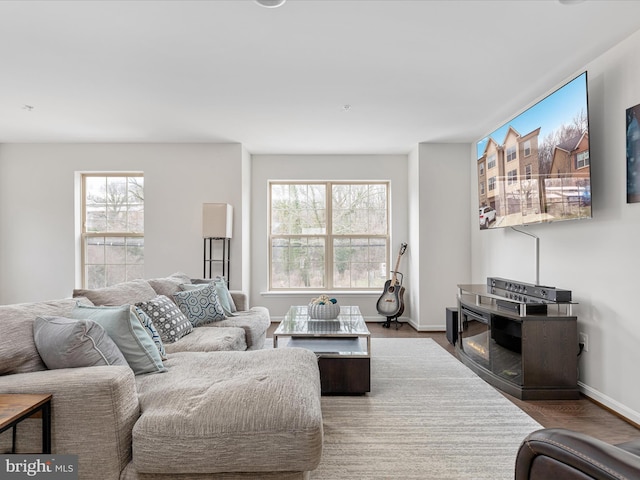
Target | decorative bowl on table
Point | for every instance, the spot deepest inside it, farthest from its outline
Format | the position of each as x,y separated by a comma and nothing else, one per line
323,308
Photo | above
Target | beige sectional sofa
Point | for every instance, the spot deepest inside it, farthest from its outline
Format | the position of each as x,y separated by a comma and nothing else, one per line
217,412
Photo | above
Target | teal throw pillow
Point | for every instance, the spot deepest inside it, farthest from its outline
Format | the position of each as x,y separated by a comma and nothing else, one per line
221,284
124,328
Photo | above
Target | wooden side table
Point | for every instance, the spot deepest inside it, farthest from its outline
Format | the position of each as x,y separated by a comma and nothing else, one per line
16,407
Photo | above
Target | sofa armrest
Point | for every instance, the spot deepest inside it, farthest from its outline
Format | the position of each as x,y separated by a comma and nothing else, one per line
560,453
93,411
240,299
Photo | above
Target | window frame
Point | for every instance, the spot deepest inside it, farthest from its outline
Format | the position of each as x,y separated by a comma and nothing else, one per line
511,153
328,236
582,159
528,171
491,161
84,235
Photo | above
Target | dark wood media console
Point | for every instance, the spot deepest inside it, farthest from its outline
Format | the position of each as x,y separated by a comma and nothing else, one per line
531,355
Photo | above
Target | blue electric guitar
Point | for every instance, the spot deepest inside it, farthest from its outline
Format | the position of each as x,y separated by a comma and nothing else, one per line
391,304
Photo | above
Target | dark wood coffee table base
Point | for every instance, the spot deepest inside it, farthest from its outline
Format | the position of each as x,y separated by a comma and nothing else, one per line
346,376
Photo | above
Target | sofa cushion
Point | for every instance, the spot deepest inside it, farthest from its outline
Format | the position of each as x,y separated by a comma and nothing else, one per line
200,305
120,294
169,321
67,343
167,286
210,340
252,405
254,322
18,352
124,328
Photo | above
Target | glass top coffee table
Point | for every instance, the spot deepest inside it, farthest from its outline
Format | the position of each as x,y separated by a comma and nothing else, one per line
343,347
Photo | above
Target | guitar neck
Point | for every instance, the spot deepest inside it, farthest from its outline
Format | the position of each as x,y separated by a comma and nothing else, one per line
394,277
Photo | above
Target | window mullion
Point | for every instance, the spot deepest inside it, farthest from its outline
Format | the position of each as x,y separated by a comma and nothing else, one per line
328,243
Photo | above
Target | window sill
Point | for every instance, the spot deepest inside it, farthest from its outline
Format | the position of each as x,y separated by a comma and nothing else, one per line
333,293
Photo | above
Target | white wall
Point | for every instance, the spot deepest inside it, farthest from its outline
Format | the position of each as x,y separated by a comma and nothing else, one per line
598,258
439,206
322,167
37,240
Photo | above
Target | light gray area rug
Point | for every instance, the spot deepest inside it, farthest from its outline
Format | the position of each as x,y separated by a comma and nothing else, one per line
427,417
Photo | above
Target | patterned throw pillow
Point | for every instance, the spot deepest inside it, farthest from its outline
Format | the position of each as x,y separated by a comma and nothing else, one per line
169,321
226,308
146,322
200,305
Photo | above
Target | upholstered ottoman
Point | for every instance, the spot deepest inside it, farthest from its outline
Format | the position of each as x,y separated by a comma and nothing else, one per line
257,411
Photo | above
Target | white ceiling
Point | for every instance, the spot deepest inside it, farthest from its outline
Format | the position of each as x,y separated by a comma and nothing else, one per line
277,80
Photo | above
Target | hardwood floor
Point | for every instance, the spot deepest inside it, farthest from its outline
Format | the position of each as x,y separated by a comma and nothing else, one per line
582,415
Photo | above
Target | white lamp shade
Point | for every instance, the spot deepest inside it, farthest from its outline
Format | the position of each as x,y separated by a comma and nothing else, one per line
217,220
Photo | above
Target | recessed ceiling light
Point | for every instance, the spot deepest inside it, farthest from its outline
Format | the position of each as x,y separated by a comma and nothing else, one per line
270,3
346,107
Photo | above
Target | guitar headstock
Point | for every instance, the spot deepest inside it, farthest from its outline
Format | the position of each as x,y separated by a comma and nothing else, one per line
403,248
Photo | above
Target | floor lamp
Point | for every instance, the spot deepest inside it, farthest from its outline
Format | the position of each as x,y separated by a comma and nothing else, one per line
217,226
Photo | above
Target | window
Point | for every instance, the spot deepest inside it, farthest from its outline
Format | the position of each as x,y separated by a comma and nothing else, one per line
527,171
582,159
328,235
112,228
512,177
491,161
481,186
527,148
511,153
481,169
492,183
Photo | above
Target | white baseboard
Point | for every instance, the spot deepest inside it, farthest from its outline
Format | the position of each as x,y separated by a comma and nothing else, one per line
610,403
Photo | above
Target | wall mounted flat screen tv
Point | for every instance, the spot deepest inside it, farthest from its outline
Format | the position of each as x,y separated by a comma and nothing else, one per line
535,168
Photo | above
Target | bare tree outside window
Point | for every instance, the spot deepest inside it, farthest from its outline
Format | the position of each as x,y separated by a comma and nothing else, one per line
113,229
328,235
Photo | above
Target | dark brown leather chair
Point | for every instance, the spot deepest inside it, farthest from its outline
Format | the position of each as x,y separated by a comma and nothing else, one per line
556,453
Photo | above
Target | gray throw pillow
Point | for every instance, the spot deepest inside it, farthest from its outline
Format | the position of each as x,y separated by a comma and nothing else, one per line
68,343
124,328
169,285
